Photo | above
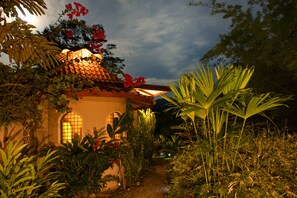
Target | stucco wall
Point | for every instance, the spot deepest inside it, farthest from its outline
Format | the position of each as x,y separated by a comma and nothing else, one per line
93,111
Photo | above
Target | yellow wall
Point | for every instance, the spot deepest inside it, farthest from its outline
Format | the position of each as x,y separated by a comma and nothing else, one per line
93,111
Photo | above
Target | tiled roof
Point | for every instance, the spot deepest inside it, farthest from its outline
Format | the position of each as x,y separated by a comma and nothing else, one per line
91,70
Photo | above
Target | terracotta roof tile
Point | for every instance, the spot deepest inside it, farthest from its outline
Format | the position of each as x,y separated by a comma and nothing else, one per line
92,71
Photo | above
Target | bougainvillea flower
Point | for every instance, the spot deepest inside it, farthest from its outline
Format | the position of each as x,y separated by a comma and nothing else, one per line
77,14
68,6
70,16
77,5
99,34
84,10
69,34
129,82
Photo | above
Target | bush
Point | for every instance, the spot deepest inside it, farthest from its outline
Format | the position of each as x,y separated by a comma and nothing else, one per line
262,167
218,105
139,150
82,163
27,176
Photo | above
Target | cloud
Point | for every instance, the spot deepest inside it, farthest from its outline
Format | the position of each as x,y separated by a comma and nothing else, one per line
158,39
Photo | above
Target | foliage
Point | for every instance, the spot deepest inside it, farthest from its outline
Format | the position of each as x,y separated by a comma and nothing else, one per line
74,34
24,92
17,40
217,103
170,146
263,167
139,150
27,176
262,33
35,7
82,163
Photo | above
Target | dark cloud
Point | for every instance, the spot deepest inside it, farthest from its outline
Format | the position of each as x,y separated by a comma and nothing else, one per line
159,39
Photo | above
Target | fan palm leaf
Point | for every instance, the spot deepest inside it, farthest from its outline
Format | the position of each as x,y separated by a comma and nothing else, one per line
256,104
240,78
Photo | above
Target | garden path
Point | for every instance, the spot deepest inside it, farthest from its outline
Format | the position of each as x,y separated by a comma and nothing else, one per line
153,185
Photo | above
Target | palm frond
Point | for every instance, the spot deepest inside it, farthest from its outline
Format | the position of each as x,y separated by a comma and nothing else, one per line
34,7
25,48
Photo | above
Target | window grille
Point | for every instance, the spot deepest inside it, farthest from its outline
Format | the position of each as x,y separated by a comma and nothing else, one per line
71,126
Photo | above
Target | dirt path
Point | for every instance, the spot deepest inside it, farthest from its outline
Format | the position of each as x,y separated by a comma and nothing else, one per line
154,184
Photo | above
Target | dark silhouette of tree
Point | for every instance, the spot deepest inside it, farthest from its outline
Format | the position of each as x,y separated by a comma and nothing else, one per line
263,33
75,34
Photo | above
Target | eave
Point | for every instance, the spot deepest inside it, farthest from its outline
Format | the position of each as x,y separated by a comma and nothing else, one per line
137,100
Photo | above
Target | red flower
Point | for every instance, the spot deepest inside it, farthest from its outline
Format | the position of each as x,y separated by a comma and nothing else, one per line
95,45
96,145
77,5
69,34
116,145
70,16
84,11
68,6
77,11
129,82
69,89
99,34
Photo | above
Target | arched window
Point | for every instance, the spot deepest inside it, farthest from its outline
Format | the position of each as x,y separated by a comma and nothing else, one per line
71,126
110,119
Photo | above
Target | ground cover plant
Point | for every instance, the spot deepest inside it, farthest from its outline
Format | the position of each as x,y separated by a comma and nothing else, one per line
218,105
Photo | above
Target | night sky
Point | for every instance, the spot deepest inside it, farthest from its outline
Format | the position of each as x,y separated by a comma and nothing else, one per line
159,39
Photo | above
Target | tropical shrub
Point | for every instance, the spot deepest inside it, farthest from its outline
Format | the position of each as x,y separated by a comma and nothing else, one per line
170,146
263,167
27,176
218,106
82,163
138,153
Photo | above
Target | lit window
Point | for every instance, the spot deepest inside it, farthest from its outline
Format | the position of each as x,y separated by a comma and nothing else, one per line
71,126
110,119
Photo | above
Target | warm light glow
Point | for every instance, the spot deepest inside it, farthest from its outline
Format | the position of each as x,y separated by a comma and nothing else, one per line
149,92
67,132
82,53
31,19
71,127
